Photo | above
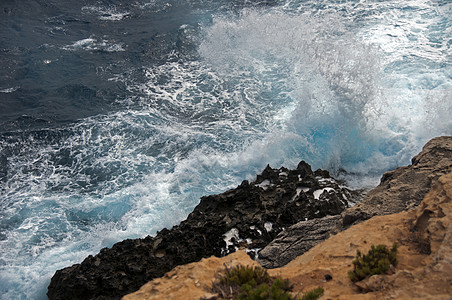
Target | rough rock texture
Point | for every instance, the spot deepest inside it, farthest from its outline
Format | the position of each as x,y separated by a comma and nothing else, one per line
249,216
399,190
405,187
191,281
420,274
296,240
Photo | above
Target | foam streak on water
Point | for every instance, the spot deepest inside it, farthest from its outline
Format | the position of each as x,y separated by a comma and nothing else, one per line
356,87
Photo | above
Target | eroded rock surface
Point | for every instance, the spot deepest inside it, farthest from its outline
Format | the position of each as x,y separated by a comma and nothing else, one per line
405,187
296,240
399,190
247,217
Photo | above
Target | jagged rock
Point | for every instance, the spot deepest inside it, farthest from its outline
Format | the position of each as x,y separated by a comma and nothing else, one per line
404,187
399,190
296,240
249,217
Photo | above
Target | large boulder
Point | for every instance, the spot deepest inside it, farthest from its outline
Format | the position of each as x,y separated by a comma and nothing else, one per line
247,217
296,240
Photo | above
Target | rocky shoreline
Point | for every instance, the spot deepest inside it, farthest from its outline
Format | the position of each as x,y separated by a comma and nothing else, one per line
284,213
399,190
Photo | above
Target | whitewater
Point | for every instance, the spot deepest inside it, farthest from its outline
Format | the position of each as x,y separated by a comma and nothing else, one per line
117,116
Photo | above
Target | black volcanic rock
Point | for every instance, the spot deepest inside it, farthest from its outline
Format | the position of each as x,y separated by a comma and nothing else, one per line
249,216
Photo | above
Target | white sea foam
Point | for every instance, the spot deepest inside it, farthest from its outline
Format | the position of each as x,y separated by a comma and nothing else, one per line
319,192
106,13
9,90
298,192
264,184
268,226
93,44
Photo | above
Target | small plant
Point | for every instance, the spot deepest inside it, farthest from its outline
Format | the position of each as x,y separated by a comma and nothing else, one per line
277,291
422,244
377,261
313,294
251,283
240,275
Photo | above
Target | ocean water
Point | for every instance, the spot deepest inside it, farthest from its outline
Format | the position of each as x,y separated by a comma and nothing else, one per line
117,116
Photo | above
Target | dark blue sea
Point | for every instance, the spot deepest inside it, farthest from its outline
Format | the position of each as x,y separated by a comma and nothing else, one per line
117,116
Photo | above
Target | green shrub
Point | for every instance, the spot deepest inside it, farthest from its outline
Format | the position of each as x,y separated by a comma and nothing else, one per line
313,294
240,275
377,261
277,291
248,283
